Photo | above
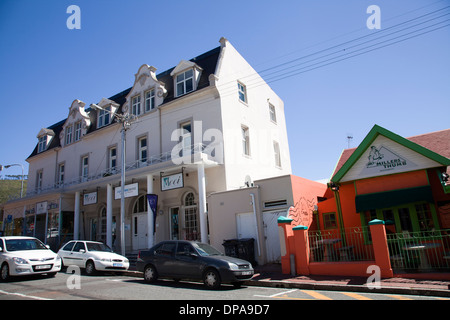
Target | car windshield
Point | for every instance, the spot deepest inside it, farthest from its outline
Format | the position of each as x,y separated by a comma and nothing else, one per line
24,244
206,250
93,246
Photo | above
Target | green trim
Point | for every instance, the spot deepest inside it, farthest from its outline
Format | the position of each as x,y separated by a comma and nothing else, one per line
375,222
300,227
444,186
284,220
371,136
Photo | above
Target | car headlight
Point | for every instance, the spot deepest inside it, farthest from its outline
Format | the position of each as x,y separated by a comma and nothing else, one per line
19,260
105,260
233,266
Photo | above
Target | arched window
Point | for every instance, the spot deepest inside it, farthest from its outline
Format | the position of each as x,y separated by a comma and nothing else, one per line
190,218
141,204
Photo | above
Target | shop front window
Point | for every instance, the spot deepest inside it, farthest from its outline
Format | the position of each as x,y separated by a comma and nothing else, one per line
424,217
190,218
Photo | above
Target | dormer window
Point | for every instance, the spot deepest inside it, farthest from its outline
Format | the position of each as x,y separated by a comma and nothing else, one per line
185,82
104,117
44,137
42,144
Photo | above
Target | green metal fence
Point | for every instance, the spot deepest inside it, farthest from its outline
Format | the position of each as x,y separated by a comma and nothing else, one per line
426,251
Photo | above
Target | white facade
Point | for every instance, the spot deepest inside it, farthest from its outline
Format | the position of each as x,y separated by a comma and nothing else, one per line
193,119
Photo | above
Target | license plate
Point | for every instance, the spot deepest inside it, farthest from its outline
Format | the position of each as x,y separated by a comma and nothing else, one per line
117,264
43,266
246,273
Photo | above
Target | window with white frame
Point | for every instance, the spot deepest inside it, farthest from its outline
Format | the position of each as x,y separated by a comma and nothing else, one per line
245,141
273,115
142,156
39,180
104,117
242,91
112,159
69,135
186,137
42,145
61,170
136,105
276,150
78,131
84,168
185,82
149,100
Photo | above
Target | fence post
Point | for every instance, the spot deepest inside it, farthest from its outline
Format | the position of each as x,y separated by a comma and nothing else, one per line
286,234
301,243
380,247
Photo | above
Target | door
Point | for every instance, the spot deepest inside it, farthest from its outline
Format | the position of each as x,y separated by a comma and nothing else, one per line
174,223
140,232
246,226
271,235
78,255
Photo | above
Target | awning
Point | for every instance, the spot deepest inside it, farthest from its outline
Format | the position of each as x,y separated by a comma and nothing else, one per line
392,198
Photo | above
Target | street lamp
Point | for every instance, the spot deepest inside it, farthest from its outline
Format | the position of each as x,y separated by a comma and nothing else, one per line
125,120
11,165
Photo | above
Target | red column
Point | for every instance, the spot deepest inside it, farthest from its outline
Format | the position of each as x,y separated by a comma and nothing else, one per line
301,243
286,235
380,248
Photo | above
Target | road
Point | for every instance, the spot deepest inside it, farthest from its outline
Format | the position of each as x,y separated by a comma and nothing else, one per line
119,287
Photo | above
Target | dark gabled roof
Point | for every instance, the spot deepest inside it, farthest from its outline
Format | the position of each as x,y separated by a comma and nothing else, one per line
207,61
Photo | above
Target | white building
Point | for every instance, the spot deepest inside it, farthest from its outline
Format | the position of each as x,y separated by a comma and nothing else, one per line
209,124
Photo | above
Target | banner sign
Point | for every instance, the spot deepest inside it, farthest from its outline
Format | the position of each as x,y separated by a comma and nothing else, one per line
173,181
131,190
153,204
90,198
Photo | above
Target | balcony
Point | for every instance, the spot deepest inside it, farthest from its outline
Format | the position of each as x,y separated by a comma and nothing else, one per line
165,161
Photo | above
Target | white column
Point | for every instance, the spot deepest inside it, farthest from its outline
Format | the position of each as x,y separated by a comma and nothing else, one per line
150,221
202,202
109,205
76,216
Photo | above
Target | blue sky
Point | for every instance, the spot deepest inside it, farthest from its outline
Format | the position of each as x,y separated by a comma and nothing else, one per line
404,87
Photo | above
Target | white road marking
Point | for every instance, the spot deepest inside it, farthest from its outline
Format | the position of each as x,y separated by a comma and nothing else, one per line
23,295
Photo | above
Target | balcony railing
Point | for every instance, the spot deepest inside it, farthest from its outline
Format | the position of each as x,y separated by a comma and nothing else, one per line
129,167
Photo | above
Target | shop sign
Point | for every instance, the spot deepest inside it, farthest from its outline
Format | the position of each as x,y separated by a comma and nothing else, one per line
174,181
90,198
382,159
41,207
131,190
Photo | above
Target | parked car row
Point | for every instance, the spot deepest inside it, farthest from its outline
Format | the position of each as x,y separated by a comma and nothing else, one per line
169,259
27,256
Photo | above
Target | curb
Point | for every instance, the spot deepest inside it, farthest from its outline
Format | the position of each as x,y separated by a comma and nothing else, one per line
333,287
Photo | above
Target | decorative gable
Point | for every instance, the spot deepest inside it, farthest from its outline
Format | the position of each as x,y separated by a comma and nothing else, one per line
383,153
76,123
147,92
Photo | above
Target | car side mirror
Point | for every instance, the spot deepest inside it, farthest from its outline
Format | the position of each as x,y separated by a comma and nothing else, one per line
1,249
47,246
82,251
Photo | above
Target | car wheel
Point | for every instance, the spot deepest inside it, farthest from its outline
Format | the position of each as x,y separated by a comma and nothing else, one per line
90,268
4,273
150,274
211,278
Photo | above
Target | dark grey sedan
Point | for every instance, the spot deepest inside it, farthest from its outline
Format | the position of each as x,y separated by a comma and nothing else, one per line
191,260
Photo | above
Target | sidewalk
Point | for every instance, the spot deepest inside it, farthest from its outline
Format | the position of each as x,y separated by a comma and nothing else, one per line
271,276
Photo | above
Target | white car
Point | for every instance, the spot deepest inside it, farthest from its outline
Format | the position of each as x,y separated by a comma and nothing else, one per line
26,256
92,255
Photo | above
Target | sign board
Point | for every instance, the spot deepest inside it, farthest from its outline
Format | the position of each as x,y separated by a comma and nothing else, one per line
382,159
131,190
41,207
90,198
173,181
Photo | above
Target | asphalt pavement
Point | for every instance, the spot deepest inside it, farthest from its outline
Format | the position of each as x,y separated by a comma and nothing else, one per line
271,276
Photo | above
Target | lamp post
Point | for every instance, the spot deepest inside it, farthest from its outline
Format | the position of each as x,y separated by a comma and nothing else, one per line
125,120
11,165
